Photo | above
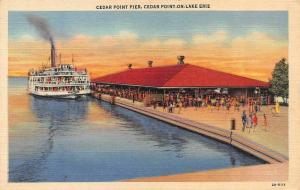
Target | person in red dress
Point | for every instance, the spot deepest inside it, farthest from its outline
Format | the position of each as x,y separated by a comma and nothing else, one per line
254,120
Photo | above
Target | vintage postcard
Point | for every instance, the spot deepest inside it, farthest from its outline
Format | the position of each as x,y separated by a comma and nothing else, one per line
138,92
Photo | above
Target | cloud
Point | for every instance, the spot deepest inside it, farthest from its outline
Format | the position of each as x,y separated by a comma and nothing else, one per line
253,55
217,38
126,35
256,43
174,43
82,38
26,37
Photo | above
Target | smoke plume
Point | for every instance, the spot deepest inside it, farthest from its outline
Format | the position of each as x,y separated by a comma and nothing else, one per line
42,27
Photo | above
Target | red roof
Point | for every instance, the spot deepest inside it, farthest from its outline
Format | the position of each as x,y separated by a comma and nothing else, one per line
184,75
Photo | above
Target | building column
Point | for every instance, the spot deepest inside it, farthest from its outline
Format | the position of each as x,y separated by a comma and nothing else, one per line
138,93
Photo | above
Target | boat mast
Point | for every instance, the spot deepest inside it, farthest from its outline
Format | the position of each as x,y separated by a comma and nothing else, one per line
73,60
60,58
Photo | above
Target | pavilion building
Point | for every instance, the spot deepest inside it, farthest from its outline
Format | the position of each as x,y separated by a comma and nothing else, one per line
182,78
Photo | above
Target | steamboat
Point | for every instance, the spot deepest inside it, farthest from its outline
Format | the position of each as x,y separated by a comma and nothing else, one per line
58,81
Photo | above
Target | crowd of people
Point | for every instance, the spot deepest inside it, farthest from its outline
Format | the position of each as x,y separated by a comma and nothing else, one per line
175,99
211,101
131,94
174,102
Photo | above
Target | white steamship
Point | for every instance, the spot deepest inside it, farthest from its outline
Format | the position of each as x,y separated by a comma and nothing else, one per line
58,81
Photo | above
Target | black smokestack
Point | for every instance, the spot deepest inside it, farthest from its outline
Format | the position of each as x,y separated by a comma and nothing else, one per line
53,54
42,27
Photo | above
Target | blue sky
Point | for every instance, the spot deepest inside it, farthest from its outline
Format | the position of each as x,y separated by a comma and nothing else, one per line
149,25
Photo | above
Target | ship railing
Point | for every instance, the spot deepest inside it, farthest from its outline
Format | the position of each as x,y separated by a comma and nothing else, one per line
61,83
54,74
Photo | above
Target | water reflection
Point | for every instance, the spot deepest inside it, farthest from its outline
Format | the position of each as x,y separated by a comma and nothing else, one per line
165,137
169,138
59,112
57,117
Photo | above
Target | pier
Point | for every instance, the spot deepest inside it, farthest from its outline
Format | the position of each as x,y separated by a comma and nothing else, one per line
226,136
278,161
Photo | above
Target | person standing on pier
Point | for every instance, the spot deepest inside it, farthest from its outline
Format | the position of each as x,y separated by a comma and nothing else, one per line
133,98
255,106
228,106
254,121
250,104
265,122
179,106
277,107
170,107
199,101
244,120
250,120
164,105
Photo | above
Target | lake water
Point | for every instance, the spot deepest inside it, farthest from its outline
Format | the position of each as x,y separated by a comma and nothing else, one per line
88,140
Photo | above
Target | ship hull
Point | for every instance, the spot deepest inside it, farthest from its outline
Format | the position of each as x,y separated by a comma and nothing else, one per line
62,95
57,96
